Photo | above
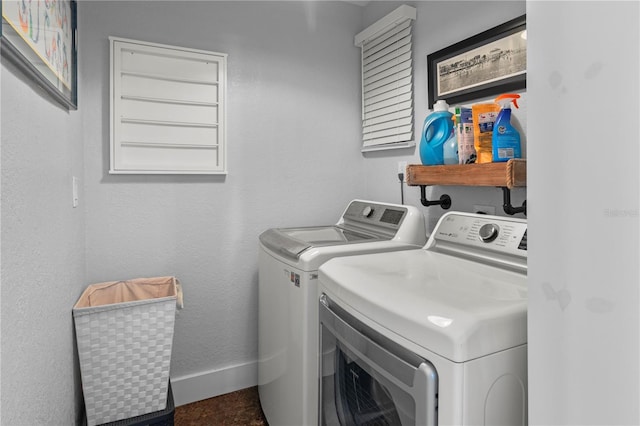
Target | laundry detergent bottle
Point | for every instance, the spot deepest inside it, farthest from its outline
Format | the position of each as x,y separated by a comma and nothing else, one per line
437,129
450,147
505,140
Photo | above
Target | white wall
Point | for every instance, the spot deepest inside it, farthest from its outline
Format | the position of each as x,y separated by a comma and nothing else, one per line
43,257
293,155
439,24
583,180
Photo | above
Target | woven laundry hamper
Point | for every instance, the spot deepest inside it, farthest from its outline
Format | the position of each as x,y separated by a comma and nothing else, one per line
124,332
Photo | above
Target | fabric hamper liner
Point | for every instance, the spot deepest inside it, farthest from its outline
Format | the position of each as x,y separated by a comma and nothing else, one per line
124,332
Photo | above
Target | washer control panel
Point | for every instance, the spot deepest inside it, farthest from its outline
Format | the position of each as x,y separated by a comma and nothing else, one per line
375,215
505,235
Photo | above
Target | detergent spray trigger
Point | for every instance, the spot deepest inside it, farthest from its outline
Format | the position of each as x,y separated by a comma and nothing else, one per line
506,139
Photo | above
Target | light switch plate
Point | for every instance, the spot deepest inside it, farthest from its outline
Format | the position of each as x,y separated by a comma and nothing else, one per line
74,185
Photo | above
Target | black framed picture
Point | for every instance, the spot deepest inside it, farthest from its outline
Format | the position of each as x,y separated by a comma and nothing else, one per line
40,38
489,63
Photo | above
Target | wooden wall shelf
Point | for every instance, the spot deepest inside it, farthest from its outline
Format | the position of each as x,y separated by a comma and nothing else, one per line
507,175
511,174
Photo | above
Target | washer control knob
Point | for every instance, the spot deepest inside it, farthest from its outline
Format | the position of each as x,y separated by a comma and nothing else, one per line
488,232
367,211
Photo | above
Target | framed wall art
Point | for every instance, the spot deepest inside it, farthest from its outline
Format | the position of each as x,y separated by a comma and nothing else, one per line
40,38
489,63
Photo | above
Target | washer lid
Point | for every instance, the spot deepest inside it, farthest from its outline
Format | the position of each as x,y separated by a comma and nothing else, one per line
291,242
457,308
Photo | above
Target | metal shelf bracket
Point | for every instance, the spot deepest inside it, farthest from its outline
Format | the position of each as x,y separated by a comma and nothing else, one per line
444,201
506,203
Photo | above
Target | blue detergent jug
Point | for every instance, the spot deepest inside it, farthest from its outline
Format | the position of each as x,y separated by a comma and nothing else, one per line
437,129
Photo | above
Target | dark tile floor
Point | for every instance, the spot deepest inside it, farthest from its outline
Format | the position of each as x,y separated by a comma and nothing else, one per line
241,408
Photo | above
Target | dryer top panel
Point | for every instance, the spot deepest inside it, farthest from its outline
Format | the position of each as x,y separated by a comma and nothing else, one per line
462,296
455,307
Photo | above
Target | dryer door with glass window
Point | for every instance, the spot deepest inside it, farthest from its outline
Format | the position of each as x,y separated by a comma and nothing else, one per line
366,379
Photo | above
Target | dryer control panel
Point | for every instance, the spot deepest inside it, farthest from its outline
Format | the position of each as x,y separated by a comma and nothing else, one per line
481,236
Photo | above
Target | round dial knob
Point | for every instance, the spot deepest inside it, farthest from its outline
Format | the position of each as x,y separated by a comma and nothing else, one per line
367,211
488,232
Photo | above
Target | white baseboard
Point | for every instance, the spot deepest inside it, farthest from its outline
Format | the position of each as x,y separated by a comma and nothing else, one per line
196,387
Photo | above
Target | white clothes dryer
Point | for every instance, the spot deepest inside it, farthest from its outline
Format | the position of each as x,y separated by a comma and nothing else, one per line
288,298
434,336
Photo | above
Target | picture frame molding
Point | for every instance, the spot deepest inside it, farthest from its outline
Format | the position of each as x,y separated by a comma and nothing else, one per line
28,61
505,85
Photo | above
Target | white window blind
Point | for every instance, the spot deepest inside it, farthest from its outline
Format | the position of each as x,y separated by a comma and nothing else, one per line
387,81
167,109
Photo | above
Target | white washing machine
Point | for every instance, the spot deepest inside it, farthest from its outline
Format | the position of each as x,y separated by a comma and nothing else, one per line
434,336
288,298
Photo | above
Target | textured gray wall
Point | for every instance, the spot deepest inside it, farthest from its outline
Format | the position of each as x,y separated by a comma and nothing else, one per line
584,233
292,132
43,255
